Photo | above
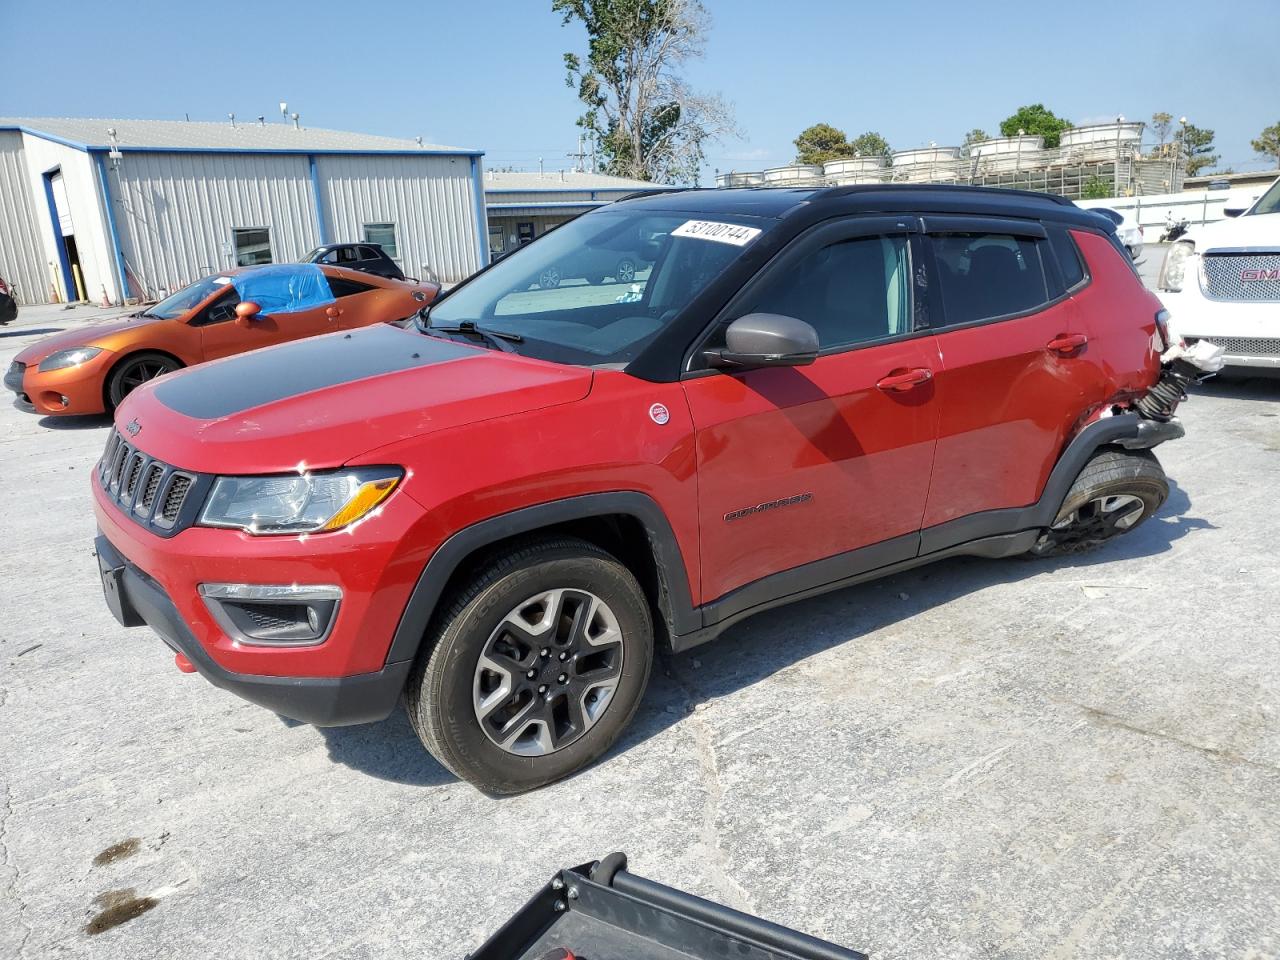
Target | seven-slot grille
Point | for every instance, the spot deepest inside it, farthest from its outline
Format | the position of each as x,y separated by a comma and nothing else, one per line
1242,276
149,490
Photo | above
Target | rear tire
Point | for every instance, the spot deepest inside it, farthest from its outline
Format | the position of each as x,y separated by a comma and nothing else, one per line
534,667
1116,492
133,371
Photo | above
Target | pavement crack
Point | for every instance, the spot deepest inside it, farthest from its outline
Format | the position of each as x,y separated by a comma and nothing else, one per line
732,893
11,869
1104,718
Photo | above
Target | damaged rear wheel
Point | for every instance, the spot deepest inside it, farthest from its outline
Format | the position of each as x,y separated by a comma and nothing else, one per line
1115,493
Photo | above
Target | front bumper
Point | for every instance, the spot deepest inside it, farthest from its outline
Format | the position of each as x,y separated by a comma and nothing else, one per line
136,599
69,391
1249,331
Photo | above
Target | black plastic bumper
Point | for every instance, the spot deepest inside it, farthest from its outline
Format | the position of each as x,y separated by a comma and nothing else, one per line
135,599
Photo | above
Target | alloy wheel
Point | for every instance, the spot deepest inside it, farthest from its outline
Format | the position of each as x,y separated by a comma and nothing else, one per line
1094,521
548,672
626,271
549,278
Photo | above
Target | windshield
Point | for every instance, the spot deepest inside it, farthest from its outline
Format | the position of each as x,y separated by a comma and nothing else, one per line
1270,201
599,288
187,298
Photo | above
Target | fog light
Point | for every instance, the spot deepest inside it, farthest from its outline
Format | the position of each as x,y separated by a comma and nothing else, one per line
273,614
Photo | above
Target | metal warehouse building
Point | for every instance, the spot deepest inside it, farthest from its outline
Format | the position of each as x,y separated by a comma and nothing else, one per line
139,208
522,206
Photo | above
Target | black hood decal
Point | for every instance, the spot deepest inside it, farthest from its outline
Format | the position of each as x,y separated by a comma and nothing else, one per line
265,376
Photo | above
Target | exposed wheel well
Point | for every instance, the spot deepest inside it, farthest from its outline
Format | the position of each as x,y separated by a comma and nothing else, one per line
106,381
621,535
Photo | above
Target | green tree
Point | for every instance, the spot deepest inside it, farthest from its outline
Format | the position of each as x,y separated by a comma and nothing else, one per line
976,135
1268,143
820,143
648,122
1197,146
1095,188
871,144
1160,124
1036,120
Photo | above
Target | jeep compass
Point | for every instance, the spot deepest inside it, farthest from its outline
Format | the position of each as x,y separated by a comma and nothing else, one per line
496,515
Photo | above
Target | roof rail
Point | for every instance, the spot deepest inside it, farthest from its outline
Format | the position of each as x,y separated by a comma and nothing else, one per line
947,188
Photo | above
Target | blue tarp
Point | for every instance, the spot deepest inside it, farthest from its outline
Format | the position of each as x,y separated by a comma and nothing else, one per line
284,287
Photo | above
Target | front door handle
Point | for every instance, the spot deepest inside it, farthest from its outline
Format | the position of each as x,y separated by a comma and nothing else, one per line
898,382
1067,343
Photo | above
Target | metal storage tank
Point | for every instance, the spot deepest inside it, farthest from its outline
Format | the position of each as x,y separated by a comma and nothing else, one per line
736,179
794,175
848,170
1008,154
926,164
1102,140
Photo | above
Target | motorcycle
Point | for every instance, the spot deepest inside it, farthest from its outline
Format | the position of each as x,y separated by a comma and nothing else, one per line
1173,228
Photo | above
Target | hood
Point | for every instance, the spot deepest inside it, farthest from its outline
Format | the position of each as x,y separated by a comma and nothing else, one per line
1258,230
84,335
326,400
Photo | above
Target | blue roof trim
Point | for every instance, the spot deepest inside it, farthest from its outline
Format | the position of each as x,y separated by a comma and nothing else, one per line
286,151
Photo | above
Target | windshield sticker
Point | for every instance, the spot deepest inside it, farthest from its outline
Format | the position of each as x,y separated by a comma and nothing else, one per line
222,281
732,233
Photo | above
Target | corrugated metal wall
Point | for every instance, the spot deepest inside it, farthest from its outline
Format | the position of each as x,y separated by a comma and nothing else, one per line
430,199
176,211
21,250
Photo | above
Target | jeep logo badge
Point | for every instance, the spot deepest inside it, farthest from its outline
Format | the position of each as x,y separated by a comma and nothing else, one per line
133,427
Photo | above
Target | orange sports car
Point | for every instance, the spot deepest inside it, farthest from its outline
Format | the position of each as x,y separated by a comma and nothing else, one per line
91,369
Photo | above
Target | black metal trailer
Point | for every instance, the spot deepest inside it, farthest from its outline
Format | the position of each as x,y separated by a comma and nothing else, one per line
601,911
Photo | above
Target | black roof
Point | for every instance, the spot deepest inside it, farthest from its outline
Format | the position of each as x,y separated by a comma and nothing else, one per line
869,198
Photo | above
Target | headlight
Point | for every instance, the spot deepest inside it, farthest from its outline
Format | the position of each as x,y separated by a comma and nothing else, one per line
68,358
306,503
1174,271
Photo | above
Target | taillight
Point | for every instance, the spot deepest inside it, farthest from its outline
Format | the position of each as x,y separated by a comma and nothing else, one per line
4,287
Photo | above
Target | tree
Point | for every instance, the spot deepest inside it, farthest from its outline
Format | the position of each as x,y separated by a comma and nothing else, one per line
1197,147
647,121
871,144
1160,124
1036,120
822,142
1268,143
1095,188
976,135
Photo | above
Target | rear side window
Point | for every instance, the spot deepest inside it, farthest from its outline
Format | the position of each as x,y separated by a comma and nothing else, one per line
1070,263
342,287
987,275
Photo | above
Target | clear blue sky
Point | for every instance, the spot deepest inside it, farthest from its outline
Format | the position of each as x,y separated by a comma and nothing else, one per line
489,74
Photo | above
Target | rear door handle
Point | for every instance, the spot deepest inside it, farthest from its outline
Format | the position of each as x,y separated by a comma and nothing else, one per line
898,382
1068,342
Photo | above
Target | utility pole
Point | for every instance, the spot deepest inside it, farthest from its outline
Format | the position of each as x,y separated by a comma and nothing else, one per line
580,157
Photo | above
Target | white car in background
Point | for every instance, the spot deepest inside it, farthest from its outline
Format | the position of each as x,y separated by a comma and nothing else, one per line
1127,229
1221,282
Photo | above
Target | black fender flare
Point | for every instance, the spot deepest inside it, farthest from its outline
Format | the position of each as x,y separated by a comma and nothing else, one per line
673,580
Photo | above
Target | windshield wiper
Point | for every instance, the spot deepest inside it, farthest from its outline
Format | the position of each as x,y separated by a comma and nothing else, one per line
471,328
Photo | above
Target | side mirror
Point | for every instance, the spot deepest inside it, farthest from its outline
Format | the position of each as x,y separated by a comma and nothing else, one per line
1233,211
246,312
765,340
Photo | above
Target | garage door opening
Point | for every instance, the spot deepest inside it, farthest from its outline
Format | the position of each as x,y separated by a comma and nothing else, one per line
64,236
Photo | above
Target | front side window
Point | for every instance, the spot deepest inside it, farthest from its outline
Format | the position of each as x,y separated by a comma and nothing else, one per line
188,298
563,294
850,292
252,246
383,234
1269,202
988,275
221,310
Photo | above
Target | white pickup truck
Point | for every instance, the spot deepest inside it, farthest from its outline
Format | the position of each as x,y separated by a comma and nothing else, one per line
1221,282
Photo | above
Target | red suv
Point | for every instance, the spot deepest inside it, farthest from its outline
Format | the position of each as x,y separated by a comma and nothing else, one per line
496,516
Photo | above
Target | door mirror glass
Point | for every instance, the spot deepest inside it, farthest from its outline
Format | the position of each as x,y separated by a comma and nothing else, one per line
247,312
766,340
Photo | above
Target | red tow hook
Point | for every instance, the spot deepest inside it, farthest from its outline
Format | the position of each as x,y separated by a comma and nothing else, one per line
183,664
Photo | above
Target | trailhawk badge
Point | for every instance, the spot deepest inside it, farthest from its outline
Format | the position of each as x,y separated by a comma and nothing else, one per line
659,414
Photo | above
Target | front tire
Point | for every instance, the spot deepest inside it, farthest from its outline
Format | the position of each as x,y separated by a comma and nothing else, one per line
133,372
1116,492
535,667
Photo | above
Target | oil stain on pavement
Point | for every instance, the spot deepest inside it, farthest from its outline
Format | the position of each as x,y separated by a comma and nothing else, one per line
117,907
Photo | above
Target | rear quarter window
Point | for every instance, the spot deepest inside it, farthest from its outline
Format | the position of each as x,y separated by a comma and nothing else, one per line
1070,260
